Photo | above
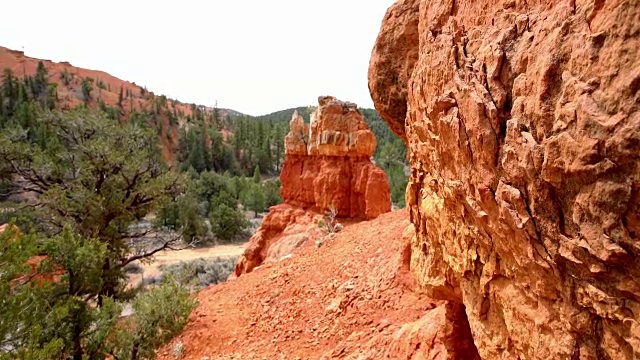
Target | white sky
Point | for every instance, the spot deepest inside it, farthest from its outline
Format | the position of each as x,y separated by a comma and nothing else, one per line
253,56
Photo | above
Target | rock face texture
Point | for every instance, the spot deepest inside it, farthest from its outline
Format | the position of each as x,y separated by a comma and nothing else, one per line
285,228
327,164
523,127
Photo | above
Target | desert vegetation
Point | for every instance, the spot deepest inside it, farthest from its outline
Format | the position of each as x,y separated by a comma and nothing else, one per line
77,183
196,273
86,180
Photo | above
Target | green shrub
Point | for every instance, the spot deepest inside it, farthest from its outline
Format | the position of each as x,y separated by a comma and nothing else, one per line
133,268
159,314
201,272
255,199
272,192
227,223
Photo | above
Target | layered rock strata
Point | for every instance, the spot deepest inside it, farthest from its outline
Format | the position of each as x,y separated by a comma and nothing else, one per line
327,165
523,128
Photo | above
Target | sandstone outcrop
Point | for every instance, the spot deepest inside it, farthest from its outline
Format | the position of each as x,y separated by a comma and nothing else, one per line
523,127
327,165
285,228
392,62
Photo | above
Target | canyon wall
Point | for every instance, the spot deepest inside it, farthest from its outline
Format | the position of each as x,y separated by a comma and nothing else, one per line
327,165
523,127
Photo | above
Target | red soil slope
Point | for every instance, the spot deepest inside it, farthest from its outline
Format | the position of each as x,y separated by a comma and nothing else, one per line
71,95
351,297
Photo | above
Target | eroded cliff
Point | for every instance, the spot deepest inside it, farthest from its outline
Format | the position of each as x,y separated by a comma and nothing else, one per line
523,129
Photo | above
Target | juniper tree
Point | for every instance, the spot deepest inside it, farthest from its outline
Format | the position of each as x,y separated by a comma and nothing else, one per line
93,178
97,177
48,310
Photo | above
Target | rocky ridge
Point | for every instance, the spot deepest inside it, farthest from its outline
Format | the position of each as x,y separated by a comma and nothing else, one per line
106,90
523,128
350,299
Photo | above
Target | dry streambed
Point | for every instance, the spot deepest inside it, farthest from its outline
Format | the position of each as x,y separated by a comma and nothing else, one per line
169,257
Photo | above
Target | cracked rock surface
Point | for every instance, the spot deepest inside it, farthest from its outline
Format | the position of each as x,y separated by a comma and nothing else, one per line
523,127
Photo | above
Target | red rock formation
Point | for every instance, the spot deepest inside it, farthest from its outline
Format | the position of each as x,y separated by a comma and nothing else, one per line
523,129
285,228
392,61
327,164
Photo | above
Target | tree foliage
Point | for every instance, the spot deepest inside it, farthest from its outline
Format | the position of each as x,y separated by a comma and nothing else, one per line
159,315
93,178
226,222
48,309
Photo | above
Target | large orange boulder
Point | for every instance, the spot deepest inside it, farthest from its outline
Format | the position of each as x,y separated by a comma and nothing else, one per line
444,328
523,126
392,61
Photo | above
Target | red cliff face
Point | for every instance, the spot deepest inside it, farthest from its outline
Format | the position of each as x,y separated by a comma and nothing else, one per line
327,164
522,121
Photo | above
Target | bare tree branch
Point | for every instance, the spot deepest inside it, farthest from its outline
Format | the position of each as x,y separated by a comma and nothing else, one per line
168,245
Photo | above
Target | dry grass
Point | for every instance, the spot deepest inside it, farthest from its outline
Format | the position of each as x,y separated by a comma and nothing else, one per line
169,257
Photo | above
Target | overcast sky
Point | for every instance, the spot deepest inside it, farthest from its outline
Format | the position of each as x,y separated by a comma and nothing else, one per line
254,56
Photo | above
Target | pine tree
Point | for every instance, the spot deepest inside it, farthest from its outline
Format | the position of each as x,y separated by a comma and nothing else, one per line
9,88
265,160
40,85
108,175
87,88
255,199
256,175
120,98
197,150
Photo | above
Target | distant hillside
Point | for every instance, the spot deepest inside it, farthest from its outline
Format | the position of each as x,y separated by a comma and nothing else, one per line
74,86
107,87
285,115
231,113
